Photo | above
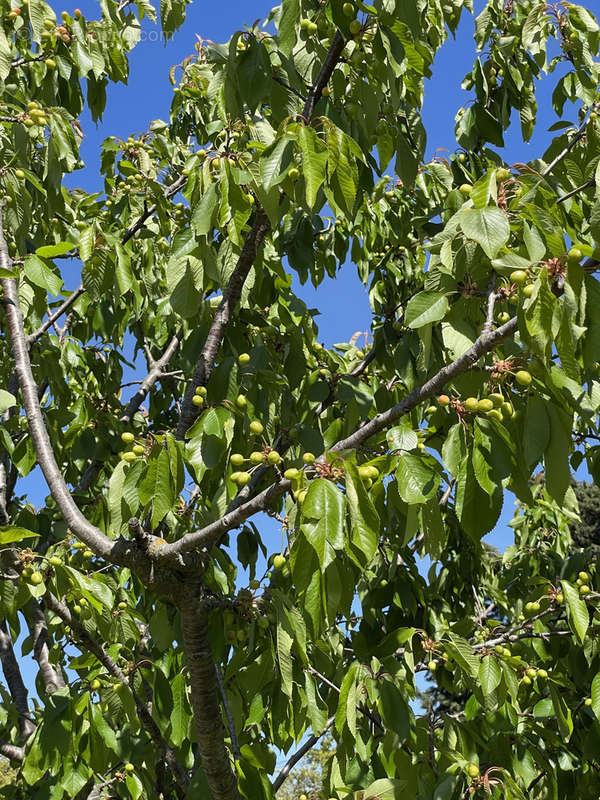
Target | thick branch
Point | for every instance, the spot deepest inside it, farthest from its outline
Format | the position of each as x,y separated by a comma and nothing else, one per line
215,759
51,319
52,677
211,533
231,297
12,752
14,680
300,753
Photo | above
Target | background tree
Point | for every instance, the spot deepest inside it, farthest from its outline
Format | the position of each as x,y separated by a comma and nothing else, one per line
177,649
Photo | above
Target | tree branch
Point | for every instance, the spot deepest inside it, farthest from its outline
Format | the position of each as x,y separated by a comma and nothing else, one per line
12,752
214,339
94,647
235,747
331,59
215,759
87,532
300,753
491,302
156,371
51,319
212,532
52,677
573,192
15,683
141,221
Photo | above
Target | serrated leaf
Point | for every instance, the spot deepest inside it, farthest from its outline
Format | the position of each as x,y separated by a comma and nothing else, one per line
489,227
595,694
577,611
417,480
402,437
53,250
425,308
13,533
323,518
490,674
42,274
314,162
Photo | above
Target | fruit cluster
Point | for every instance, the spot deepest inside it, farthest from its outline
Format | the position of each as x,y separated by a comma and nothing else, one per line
137,449
495,405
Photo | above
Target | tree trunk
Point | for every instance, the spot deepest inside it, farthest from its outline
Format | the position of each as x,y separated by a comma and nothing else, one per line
214,756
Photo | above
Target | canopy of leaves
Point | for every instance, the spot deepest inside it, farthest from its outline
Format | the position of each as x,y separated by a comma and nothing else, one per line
163,670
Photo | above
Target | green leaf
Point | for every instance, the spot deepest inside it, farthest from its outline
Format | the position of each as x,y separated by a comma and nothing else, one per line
489,227
364,517
180,713
563,713
417,479
290,14
42,274
595,693
7,400
284,657
13,533
403,437
5,54
425,308
203,212
349,683
323,518
490,674
386,789
577,611
556,456
314,161
53,250
394,709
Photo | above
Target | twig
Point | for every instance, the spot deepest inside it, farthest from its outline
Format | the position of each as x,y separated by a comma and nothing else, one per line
176,373
235,747
300,753
141,221
52,677
155,373
586,185
576,138
12,752
291,89
51,319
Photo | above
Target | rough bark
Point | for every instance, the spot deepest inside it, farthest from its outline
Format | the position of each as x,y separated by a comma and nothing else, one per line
214,756
14,680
